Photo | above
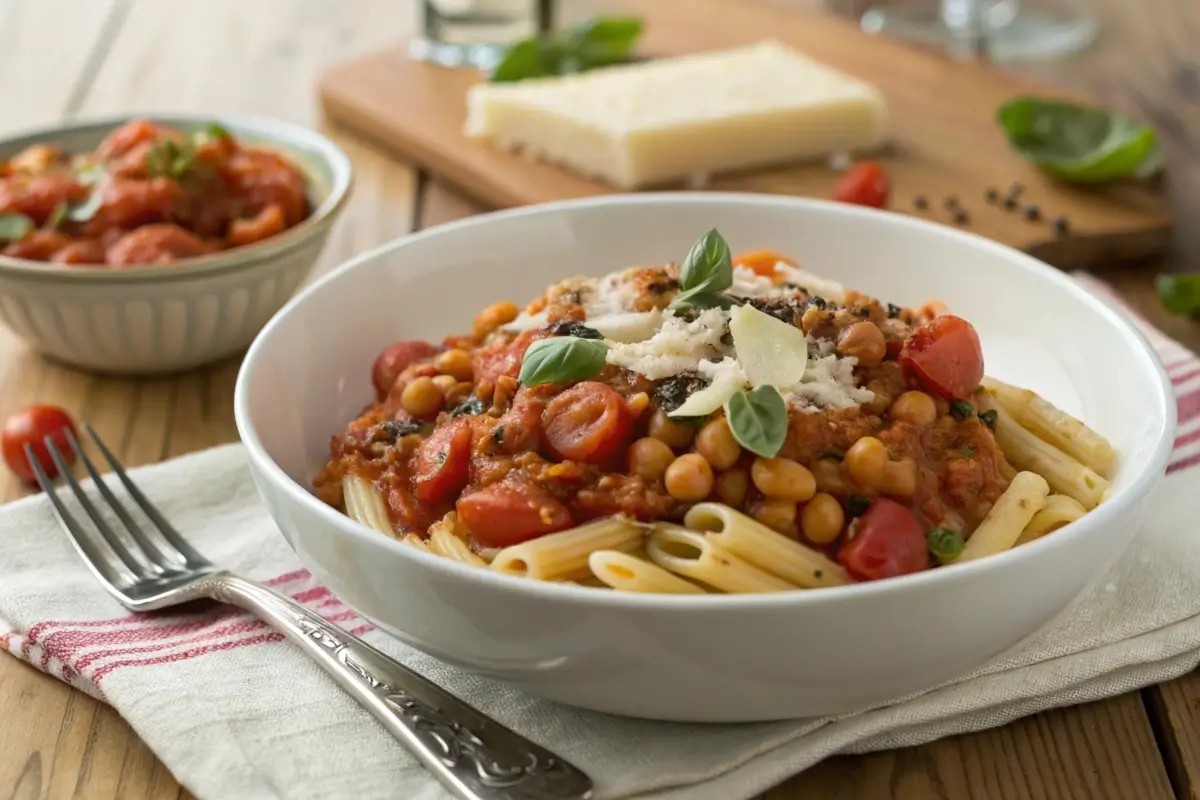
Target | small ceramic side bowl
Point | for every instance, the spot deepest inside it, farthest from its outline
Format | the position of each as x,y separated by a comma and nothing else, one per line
172,317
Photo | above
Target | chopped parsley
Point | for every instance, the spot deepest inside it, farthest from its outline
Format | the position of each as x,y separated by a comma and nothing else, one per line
397,430
470,405
988,417
966,452
961,410
670,394
857,505
498,434
893,310
944,544
573,328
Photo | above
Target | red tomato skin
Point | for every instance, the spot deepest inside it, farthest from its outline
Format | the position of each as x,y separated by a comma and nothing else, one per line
945,353
889,542
588,422
442,462
504,514
30,426
394,359
864,184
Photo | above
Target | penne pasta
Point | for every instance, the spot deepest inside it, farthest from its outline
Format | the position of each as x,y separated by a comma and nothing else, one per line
628,573
412,540
1059,510
1064,474
445,541
694,555
1002,526
1055,426
364,504
764,548
564,555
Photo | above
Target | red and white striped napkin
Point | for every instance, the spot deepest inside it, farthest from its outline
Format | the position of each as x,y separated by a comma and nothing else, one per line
236,712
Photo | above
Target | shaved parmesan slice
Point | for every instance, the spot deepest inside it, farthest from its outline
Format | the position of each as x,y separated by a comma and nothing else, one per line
727,379
633,326
771,352
526,322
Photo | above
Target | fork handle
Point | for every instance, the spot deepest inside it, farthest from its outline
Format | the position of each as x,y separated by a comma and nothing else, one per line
475,757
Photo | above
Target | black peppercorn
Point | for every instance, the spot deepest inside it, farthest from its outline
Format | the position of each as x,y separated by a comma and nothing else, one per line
1061,226
992,194
1010,203
1032,213
961,217
921,202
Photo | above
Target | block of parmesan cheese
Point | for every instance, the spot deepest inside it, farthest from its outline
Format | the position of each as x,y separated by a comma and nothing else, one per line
660,121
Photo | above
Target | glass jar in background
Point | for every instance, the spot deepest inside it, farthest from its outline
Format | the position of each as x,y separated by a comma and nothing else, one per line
459,33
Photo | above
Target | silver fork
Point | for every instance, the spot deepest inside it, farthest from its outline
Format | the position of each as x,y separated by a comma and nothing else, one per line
475,757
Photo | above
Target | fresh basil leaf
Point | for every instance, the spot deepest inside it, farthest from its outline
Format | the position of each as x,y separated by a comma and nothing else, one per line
523,60
597,43
88,208
13,227
170,159
604,41
1080,144
217,131
1178,293
759,420
708,266
57,216
562,359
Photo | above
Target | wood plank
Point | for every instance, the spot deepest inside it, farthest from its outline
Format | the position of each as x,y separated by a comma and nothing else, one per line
58,742
1176,709
944,139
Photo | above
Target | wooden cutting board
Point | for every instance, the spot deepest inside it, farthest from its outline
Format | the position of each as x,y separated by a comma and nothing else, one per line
945,143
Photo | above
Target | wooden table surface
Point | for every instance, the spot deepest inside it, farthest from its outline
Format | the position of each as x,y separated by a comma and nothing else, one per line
65,58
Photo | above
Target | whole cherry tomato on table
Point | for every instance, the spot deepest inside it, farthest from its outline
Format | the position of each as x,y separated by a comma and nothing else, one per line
30,426
864,184
888,541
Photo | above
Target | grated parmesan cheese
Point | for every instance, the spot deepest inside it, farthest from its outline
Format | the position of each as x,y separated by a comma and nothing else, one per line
813,284
677,347
828,381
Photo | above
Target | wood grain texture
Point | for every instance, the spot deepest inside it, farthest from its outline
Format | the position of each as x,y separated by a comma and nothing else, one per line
945,141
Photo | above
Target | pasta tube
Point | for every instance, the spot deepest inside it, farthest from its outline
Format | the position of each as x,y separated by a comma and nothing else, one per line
445,541
764,548
364,504
1055,426
627,573
564,555
1059,510
1023,498
693,555
1064,474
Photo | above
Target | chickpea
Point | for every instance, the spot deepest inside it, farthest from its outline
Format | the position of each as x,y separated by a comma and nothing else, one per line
494,316
422,398
650,458
783,479
828,474
689,478
822,519
778,515
637,404
455,362
457,393
915,407
444,383
864,341
676,434
899,479
716,443
732,487
865,461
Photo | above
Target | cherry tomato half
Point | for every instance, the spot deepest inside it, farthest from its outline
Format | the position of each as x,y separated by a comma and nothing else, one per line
864,184
30,426
588,422
946,355
503,514
394,359
762,261
443,461
888,542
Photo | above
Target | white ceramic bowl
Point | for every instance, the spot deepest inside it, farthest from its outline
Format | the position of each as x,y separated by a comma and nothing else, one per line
158,319
711,658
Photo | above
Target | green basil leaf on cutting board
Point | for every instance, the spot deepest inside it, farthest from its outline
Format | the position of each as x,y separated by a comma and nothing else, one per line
599,42
1079,144
1180,293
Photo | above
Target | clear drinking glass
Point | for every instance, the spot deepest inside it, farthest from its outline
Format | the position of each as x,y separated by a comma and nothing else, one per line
458,33
1000,30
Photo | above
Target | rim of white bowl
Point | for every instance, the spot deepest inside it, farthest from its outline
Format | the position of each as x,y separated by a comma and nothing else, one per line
286,136
588,596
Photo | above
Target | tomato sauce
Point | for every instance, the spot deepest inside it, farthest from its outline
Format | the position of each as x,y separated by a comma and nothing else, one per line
148,194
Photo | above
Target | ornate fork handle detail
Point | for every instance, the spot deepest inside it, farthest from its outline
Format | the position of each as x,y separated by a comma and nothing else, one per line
476,757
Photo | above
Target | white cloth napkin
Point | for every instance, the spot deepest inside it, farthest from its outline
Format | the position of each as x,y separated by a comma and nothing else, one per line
235,712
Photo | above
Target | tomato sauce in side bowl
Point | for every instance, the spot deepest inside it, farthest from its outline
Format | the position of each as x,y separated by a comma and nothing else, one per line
155,245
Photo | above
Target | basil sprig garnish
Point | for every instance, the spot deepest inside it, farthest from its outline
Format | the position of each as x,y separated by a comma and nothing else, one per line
599,42
705,274
13,227
562,359
758,419
1080,144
